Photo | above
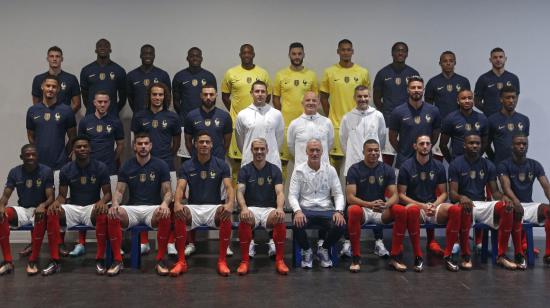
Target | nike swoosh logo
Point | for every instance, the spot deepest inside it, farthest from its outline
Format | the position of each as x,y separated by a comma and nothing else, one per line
36,117
459,126
90,76
89,128
251,181
389,78
439,88
491,85
405,119
133,177
336,79
464,173
146,123
362,180
196,122
185,82
501,126
136,82
414,176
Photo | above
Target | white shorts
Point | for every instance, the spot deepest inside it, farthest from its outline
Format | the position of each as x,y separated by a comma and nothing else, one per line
388,149
260,215
484,212
371,217
140,214
182,152
25,216
429,219
78,215
531,213
202,215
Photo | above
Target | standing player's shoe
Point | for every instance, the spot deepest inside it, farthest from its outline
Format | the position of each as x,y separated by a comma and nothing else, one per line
380,250
6,268
229,252
271,248
144,249
243,268
466,262
346,248
31,269
252,249
506,263
418,264
324,258
281,267
434,248
520,261
52,268
26,251
179,268
115,269
78,250
190,249
396,264
172,251
451,264
161,268
100,267
223,270
307,258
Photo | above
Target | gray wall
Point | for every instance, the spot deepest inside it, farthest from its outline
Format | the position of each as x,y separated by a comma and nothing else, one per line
470,28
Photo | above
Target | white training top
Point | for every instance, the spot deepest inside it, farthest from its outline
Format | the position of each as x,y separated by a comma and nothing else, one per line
304,128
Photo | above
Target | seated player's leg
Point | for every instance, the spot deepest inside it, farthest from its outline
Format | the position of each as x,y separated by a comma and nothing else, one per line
225,237
545,210
114,230
504,219
54,240
466,219
99,220
325,221
517,229
413,226
180,232
300,235
451,215
7,264
398,214
162,223
279,237
246,224
356,218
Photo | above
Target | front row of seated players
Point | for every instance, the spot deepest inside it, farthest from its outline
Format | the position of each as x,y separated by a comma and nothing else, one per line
420,186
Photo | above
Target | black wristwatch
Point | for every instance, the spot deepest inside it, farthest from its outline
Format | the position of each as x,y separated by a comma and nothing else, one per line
340,211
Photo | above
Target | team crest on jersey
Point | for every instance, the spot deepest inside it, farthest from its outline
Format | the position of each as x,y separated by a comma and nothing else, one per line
217,122
207,122
468,127
510,126
397,80
142,177
63,86
269,180
146,82
372,179
520,126
472,174
83,180
155,123
194,82
346,79
449,88
57,116
381,180
93,179
203,81
212,174
481,174
38,183
499,85
296,82
101,76
204,174
530,175
261,181
164,124
417,119
28,183
47,116
112,75
249,79
108,128
428,118
423,176
432,175
155,80
521,177
152,176
458,87
99,128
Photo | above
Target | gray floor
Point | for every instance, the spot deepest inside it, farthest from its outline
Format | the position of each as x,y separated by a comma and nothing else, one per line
375,286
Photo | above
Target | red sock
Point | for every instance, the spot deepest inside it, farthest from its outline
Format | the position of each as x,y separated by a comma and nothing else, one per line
115,237
355,215
191,237
5,235
506,219
413,225
516,236
53,235
100,235
172,237
279,237
245,236
453,228
82,238
225,237
163,233
180,231
547,229
465,225
144,237
37,238
399,214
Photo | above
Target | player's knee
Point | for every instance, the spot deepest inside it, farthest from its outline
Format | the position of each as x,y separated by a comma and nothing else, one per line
454,211
355,211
